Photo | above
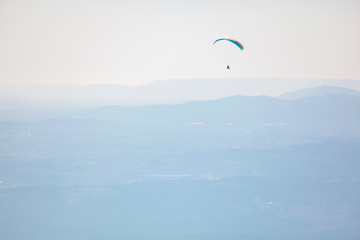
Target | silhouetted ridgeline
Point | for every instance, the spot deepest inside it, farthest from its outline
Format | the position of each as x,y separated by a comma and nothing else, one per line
159,92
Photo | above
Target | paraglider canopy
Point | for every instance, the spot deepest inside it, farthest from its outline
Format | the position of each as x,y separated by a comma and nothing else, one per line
236,42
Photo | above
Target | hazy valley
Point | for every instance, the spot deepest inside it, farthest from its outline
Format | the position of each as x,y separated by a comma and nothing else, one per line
240,167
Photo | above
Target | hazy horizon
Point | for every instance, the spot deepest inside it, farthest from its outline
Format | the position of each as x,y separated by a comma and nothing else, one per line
356,81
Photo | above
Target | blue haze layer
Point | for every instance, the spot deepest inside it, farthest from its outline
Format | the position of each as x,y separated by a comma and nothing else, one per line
232,168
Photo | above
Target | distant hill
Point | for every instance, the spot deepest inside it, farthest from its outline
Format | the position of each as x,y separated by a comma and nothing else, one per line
318,91
322,104
242,109
159,92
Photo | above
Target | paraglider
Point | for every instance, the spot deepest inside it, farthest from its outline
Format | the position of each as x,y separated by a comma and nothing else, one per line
234,41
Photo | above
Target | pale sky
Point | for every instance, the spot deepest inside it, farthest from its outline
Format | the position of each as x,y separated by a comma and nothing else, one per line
135,42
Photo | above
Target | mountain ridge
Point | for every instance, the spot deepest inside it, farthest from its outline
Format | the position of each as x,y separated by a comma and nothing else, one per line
261,106
318,91
245,108
159,92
